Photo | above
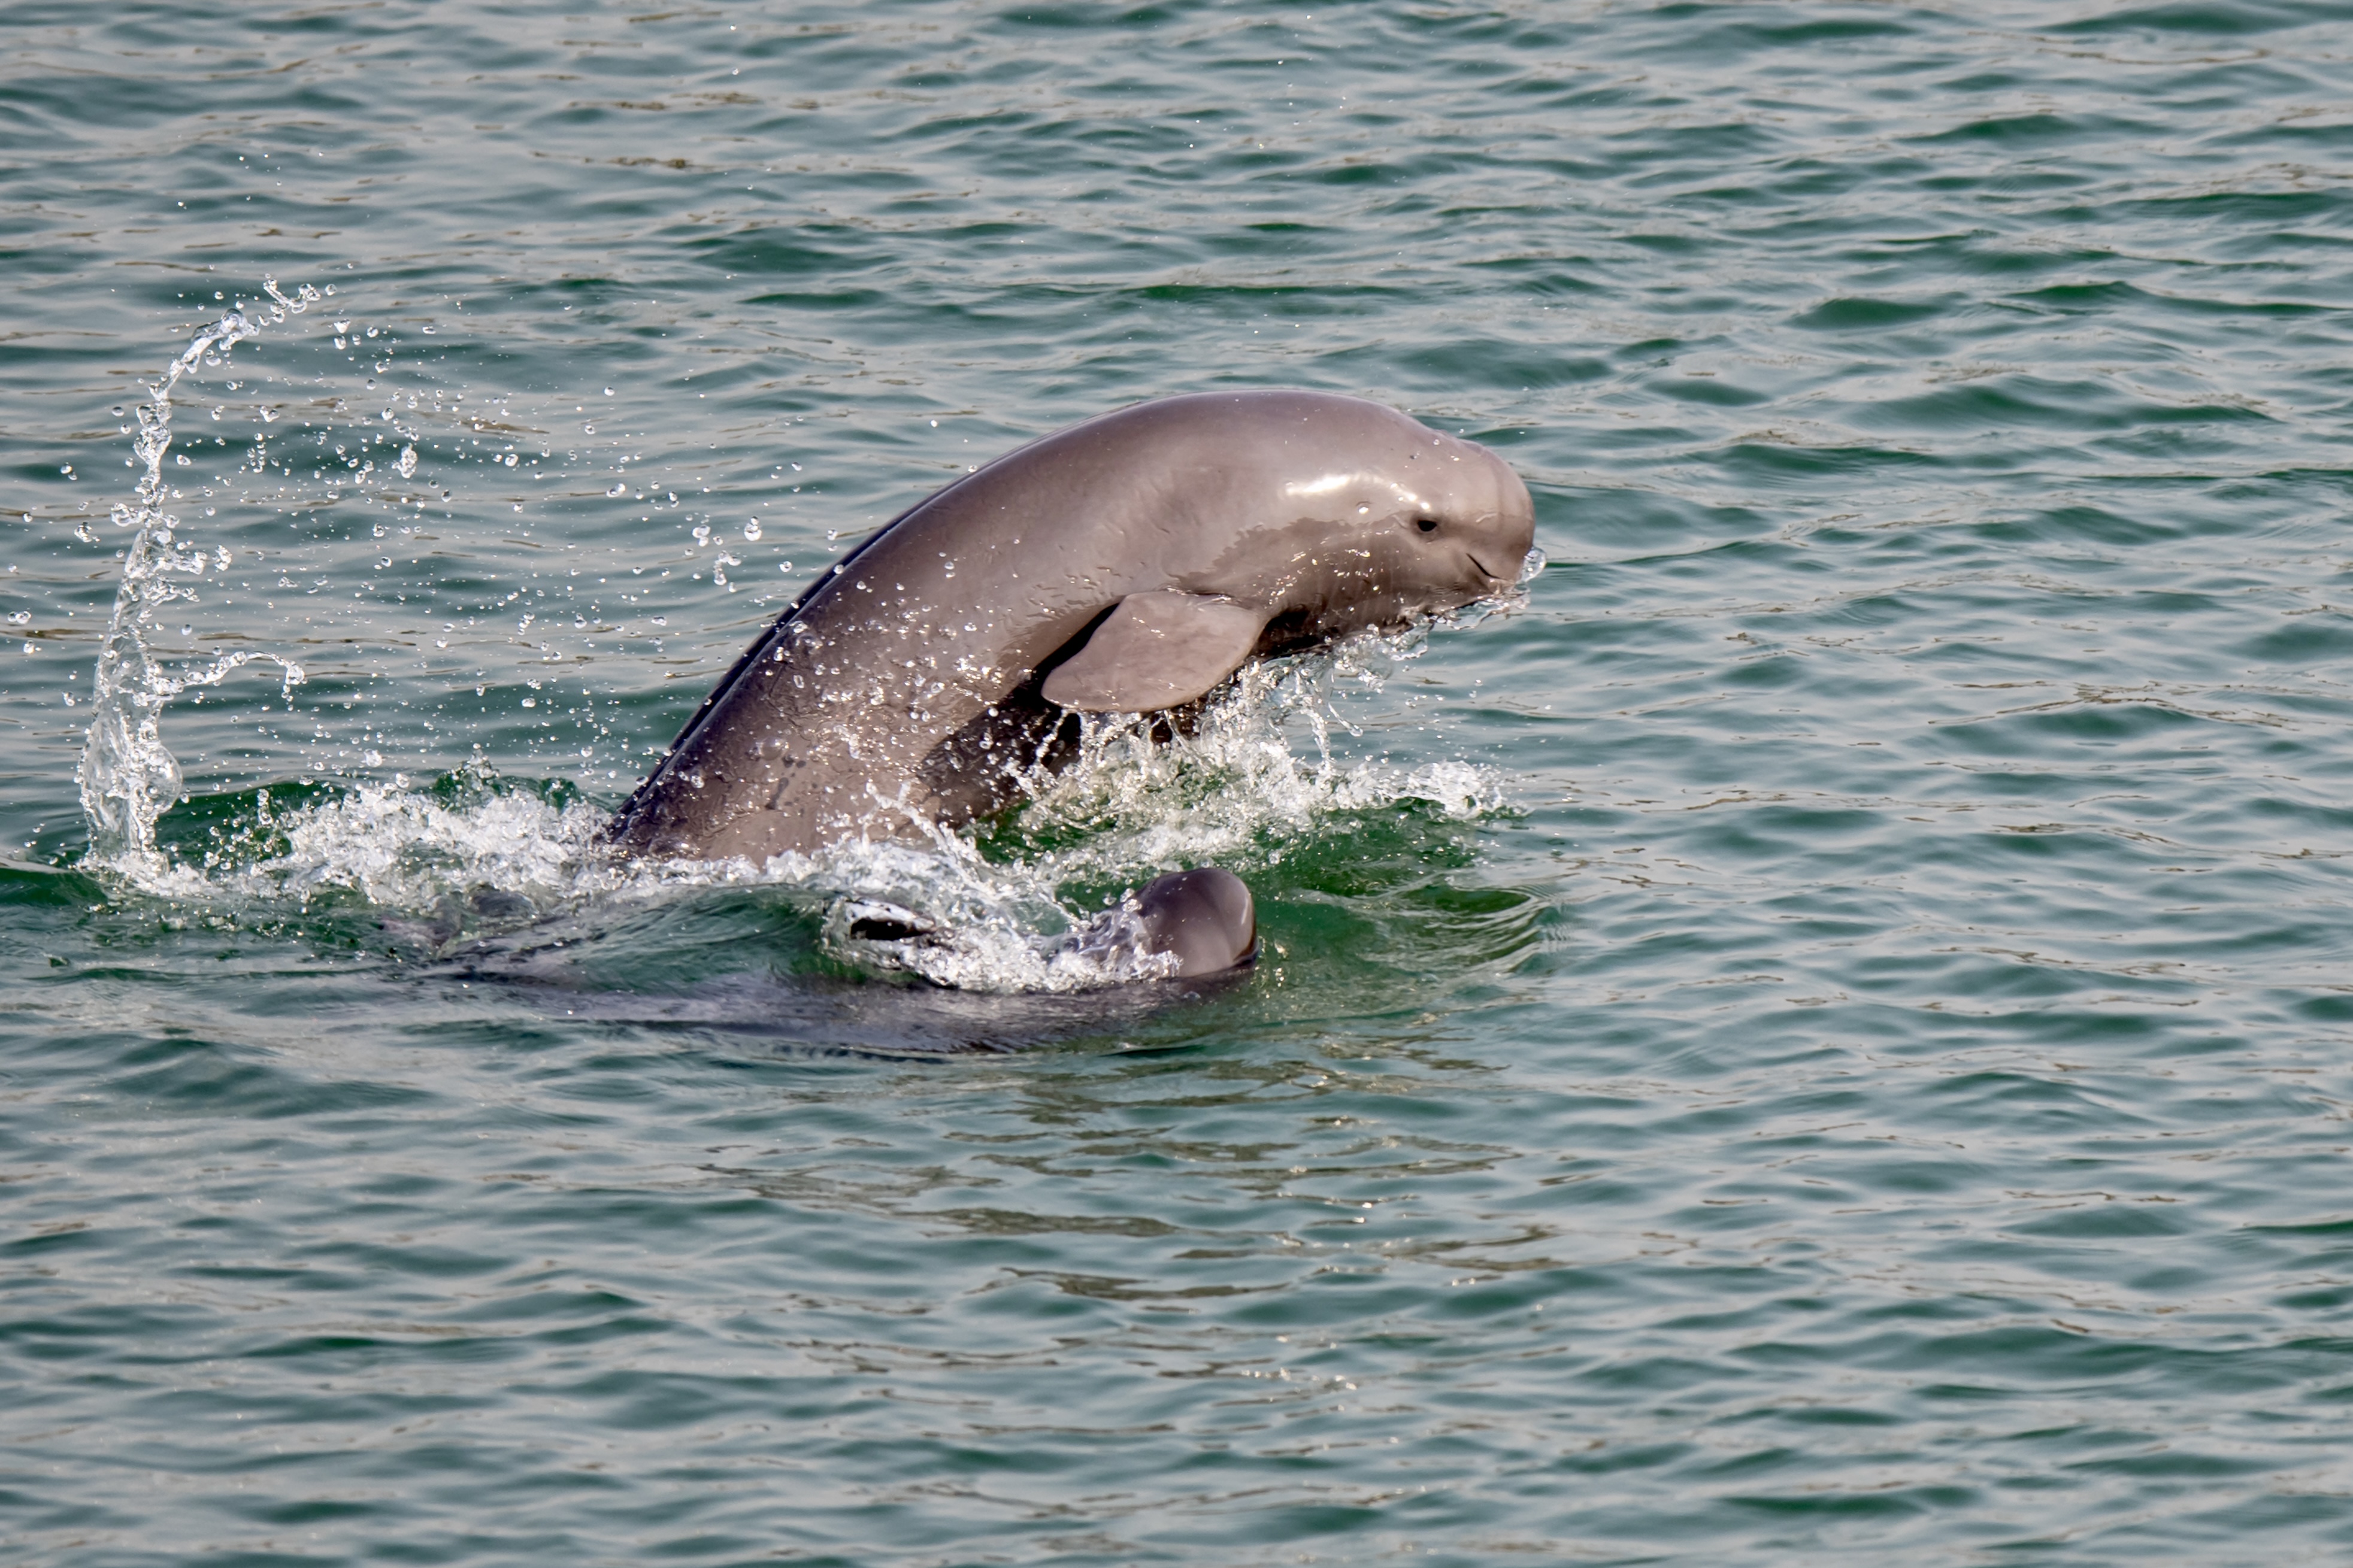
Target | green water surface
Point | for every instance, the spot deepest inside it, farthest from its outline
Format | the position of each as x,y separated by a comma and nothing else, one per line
1822,1037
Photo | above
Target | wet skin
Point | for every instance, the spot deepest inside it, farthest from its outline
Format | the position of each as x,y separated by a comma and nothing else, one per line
1129,563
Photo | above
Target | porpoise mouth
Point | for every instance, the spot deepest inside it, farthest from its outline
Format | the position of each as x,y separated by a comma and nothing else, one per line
1484,570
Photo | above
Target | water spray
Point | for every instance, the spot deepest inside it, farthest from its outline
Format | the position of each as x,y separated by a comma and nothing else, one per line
127,776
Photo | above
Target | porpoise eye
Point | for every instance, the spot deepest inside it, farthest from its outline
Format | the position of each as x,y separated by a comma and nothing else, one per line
1426,525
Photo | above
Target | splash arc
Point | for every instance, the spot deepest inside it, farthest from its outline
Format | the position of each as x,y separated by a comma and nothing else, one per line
127,777
1126,564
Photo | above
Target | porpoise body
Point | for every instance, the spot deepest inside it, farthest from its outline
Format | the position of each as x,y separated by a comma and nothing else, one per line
1129,563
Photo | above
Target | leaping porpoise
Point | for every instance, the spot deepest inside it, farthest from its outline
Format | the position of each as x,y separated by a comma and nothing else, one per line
1126,564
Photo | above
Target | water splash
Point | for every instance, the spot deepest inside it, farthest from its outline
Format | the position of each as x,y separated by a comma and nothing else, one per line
1029,905
127,775
1236,789
1237,785
475,857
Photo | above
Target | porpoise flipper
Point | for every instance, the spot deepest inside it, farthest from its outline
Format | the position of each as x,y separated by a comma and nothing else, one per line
1157,651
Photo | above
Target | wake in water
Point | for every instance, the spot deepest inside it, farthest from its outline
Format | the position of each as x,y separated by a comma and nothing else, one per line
1031,903
473,857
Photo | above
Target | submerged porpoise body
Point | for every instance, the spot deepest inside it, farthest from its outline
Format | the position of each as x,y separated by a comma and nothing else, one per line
1126,564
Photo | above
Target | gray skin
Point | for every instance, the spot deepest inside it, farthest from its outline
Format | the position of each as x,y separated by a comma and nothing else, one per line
1205,918
1129,563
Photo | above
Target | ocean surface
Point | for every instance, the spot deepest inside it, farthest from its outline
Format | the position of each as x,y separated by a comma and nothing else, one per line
1816,1032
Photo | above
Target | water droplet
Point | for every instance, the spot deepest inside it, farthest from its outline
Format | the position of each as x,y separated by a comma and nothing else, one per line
751,529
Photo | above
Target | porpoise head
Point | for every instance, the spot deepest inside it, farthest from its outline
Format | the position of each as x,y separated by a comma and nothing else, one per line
1458,528
1204,917
1389,521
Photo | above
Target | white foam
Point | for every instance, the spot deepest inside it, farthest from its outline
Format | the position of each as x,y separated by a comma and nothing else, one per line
1263,764
1241,777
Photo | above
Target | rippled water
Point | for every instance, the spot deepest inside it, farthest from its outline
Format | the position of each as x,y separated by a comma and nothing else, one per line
1822,1035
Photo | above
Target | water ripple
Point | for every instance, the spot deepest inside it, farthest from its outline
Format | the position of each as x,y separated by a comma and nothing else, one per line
1818,1038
